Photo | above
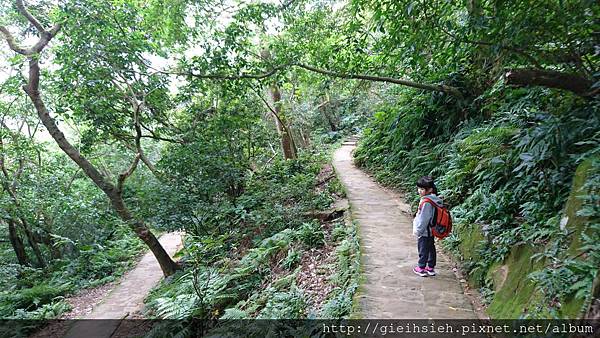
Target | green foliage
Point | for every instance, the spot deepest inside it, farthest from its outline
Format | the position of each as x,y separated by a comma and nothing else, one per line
36,293
233,313
503,157
97,262
292,259
311,234
242,283
475,39
38,300
47,311
284,305
176,299
579,273
340,302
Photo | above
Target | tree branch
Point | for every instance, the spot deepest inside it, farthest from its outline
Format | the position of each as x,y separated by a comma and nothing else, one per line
234,77
272,110
441,88
145,160
18,174
45,35
154,136
123,176
432,87
138,146
551,79
12,43
30,18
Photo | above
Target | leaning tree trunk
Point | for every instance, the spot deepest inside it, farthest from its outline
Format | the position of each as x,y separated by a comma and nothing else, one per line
113,192
17,244
167,265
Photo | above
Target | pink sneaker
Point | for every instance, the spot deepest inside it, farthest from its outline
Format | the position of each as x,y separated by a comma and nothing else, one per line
430,271
420,271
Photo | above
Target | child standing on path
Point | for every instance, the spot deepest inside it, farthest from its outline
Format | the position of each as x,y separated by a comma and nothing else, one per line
422,226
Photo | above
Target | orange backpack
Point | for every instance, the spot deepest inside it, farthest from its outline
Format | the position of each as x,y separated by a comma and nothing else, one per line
442,220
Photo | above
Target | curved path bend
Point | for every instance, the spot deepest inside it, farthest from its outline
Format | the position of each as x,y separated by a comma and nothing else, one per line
128,296
389,253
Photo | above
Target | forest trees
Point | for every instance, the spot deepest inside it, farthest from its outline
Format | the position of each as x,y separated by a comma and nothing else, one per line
113,191
180,92
17,157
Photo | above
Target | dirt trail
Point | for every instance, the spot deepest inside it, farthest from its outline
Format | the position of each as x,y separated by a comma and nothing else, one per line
128,297
389,252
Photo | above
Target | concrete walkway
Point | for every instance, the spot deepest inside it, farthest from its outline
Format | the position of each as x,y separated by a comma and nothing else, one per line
389,249
127,297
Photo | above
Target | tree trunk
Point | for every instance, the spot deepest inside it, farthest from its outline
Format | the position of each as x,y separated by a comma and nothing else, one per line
23,222
287,141
34,245
305,140
17,243
324,108
167,265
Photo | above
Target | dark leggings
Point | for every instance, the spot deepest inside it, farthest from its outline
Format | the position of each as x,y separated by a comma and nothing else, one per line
426,248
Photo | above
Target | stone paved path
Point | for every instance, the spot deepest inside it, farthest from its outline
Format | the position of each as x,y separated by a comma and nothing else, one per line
389,252
127,297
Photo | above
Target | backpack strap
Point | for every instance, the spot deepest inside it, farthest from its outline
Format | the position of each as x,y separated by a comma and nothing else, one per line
427,200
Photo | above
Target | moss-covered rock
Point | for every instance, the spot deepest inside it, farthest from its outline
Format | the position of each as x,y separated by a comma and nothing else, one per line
471,236
497,275
515,293
514,290
575,225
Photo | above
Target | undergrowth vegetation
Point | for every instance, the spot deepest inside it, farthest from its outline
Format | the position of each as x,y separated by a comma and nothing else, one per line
39,294
249,267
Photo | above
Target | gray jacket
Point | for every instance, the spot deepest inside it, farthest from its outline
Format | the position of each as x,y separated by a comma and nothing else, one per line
424,216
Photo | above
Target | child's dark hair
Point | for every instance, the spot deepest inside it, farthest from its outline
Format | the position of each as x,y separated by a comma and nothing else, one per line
427,182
